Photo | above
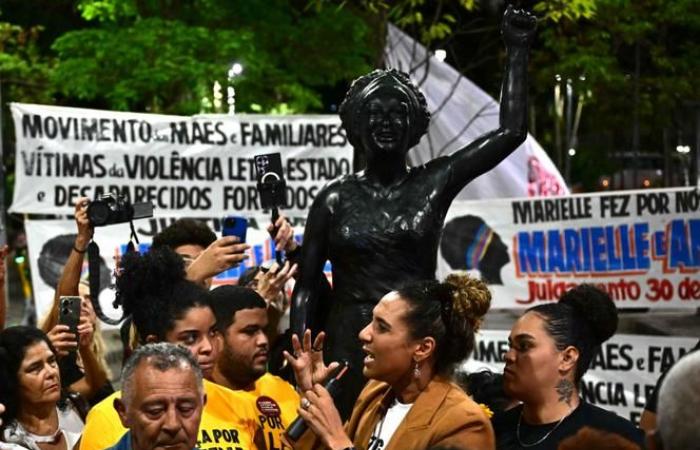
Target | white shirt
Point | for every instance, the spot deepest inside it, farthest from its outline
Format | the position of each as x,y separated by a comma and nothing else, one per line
386,427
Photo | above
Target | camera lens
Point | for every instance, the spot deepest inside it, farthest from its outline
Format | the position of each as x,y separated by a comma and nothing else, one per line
98,213
65,311
229,222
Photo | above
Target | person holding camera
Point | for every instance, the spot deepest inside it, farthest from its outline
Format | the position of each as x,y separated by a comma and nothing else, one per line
84,369
204,255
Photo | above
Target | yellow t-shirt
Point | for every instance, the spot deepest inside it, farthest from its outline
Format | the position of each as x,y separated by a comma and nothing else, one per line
276,402
229,422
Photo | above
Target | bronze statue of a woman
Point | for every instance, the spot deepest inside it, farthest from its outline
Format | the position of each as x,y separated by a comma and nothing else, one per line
380,228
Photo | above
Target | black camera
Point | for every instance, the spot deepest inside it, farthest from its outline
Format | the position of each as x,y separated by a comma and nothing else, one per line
109,209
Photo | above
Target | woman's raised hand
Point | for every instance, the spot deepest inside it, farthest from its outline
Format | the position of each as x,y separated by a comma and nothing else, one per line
86,327
307,361
62,339
85,229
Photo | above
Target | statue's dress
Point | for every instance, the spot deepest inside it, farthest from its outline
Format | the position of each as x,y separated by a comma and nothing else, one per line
379,240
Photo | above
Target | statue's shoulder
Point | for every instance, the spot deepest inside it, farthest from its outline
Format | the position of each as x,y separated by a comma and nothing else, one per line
341,183
435,166
336,189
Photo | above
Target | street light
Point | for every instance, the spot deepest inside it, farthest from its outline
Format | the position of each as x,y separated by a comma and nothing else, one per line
217,96
235,70
684,155
568,106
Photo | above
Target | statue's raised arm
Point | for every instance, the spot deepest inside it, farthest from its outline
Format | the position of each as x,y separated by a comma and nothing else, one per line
485,153
380,228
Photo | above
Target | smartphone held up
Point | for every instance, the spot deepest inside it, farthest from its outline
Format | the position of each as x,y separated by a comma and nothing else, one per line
235,226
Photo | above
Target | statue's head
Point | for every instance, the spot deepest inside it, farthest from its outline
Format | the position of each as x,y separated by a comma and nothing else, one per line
384,111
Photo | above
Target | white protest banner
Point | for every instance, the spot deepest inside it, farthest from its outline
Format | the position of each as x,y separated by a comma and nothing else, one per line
642,247
621,376
50,243
186,166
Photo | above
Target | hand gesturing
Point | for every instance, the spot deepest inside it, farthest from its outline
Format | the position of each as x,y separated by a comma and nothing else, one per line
307,361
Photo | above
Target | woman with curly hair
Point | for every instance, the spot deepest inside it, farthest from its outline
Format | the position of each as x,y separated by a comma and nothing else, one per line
380,227
166,307
551,347
418,335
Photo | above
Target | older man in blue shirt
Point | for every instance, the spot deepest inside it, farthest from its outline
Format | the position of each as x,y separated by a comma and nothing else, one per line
162,399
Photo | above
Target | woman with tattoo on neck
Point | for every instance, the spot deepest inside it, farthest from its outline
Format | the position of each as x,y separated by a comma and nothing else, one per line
551,347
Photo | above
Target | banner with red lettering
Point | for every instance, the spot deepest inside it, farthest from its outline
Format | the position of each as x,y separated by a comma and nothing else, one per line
643,247
622,374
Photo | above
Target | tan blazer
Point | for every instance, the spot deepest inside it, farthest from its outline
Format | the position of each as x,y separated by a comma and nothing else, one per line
441,415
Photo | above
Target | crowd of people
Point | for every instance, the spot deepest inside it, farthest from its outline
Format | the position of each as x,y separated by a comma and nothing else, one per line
201,370
231,368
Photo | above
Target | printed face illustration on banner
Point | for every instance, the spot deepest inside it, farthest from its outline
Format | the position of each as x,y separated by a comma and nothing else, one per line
51,241
642,247
468,243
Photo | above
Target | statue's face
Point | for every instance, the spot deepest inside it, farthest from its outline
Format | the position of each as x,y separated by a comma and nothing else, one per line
385,124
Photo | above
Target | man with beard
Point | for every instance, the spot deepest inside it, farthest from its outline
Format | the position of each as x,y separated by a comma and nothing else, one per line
241,319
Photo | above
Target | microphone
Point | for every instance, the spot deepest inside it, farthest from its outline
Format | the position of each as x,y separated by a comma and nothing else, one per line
299,426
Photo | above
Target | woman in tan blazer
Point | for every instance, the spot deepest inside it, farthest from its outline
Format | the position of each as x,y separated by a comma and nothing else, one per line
417,336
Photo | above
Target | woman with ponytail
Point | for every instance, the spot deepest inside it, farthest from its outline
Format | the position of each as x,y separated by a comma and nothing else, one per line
418,335
551,347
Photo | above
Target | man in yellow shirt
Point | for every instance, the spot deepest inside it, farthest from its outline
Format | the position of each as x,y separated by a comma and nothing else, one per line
241,318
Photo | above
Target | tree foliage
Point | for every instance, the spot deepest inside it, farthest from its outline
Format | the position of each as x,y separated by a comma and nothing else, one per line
164,56
24,71
601,55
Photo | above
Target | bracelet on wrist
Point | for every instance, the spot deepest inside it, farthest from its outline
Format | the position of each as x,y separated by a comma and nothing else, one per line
78,250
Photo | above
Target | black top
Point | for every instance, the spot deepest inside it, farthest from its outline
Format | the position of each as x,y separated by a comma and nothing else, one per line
506,423
653,399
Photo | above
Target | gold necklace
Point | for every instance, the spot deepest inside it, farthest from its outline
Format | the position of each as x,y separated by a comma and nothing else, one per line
539,441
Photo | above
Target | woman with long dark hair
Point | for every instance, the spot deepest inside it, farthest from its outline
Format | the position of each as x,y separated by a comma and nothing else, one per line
37,416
